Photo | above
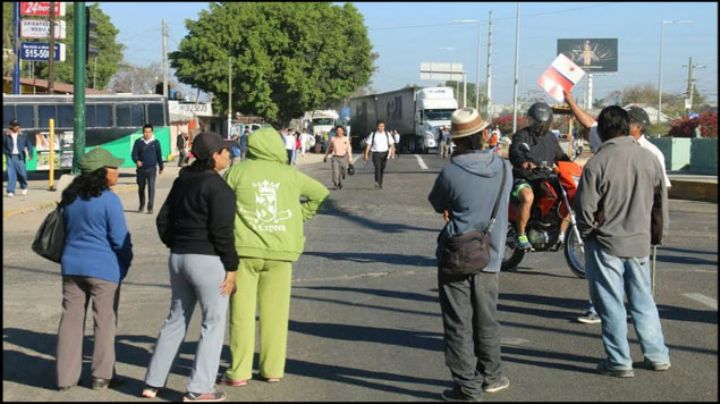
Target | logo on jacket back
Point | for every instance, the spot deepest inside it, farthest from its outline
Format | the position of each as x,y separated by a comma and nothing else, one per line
267,216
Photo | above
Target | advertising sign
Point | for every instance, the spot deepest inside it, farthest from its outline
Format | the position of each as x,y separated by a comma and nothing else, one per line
594,55
563,73
41,8
441,71
41,29
40,51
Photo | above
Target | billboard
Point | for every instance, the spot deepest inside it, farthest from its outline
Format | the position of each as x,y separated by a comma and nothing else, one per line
594,55
39,51
41,29
41,8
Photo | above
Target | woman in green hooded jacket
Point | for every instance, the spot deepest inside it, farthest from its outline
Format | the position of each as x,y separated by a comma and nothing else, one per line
269,238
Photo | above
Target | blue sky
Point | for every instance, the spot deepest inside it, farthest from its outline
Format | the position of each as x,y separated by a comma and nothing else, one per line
406,34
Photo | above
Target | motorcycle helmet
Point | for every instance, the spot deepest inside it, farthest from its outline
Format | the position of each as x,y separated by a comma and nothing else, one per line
540,117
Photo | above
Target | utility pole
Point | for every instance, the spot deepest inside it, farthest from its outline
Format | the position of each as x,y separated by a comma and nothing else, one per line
229,95
691,83
16,46
488,79
477,72
79,85
94,70
51,60
164,59
517,49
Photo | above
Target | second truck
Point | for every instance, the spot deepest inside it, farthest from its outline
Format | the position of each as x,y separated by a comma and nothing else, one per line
417,113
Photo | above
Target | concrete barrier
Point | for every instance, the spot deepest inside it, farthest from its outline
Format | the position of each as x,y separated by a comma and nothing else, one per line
704,156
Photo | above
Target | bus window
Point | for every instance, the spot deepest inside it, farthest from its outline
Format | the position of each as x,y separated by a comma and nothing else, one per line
89,116
155,115
8,112
24,115
138,115
103,116
45,112
66,116
122,113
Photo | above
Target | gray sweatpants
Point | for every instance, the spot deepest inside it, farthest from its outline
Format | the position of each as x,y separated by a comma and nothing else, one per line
193,278
339,168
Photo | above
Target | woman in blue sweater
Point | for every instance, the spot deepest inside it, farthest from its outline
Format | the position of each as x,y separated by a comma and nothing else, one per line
95,260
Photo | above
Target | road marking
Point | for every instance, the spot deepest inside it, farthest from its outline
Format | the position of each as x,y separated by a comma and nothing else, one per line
421,162
708,301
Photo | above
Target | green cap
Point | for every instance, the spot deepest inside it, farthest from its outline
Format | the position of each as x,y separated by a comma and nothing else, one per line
98,158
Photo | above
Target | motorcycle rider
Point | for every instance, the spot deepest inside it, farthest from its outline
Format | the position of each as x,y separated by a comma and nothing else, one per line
530,148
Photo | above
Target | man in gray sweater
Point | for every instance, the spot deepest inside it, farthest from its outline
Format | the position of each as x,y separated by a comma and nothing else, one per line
465,192
621,206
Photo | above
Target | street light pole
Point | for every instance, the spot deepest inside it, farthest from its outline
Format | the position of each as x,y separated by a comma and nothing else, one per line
477,72
517,50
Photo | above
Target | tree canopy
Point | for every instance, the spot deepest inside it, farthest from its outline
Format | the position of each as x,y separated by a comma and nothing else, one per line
287,58
110,55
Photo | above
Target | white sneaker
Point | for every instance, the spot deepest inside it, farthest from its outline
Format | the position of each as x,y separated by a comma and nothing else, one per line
10,195
23,191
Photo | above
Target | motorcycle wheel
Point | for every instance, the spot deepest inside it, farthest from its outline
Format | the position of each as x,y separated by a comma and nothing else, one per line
512,255
575,253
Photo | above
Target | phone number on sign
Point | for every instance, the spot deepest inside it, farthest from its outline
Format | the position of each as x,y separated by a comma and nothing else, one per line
36,53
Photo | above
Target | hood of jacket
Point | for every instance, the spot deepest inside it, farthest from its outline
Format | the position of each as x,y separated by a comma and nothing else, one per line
267,144
483,163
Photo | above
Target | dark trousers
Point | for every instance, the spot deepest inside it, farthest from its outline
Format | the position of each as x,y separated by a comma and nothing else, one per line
77,291
290,156
471,330
379,162
146,176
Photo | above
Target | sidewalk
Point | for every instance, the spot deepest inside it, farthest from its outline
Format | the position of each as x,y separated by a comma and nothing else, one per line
40,197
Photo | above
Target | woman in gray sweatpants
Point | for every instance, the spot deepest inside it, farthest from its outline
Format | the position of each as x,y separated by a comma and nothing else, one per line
196,222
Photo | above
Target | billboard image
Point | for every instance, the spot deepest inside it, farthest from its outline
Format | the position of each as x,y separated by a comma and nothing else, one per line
594,55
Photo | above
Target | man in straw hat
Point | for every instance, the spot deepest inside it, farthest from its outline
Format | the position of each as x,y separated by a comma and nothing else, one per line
466,191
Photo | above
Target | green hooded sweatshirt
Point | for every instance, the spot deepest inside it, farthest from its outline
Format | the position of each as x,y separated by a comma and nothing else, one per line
269,216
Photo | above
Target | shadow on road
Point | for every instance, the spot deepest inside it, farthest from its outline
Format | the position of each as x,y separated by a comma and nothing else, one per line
366,258
330,208
686,260
376,292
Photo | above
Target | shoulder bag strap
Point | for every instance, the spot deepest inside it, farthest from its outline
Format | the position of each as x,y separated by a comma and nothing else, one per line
497,200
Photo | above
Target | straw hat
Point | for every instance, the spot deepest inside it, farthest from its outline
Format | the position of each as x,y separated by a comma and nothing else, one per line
466,122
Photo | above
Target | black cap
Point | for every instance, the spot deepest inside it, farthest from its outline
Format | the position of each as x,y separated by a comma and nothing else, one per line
638,115
207,143
14,123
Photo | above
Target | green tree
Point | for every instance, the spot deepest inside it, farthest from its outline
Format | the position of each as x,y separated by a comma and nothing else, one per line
110,55
287,58
7,38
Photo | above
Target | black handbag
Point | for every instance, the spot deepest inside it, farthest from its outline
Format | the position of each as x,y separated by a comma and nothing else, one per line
50,237
351,169
469,253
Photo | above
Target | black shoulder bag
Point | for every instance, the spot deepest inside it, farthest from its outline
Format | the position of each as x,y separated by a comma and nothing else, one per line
469,253
50,237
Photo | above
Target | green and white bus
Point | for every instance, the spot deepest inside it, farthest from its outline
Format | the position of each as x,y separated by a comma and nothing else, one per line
112,122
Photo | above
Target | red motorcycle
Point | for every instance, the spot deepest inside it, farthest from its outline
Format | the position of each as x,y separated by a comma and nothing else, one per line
551,205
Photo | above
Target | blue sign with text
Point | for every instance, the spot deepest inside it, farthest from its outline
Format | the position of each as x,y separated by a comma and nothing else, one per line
40,51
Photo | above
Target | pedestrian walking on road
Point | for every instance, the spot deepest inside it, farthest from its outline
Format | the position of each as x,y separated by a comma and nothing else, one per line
621,205
95,260
196,223
341,150
381,144
466,192
269,237
182,144
396,138
18,149
147,156
289,144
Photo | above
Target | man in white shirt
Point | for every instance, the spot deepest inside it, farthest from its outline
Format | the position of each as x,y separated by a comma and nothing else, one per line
380,143
639,122
289,144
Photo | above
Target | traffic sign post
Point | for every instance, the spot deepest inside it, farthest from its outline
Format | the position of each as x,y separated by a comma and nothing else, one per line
40,51
41,29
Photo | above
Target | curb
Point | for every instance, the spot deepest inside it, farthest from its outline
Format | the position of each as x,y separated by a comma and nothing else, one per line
49,204
693,191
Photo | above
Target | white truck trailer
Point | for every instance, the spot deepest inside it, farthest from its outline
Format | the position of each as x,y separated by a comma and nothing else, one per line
417,113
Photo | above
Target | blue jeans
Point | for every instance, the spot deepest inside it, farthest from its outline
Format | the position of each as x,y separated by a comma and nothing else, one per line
16,172
610,278
194,278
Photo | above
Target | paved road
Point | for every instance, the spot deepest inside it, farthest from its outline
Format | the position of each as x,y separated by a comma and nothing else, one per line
365,322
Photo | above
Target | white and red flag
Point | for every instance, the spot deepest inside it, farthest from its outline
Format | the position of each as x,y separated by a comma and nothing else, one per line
563,73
